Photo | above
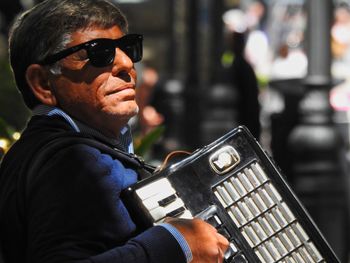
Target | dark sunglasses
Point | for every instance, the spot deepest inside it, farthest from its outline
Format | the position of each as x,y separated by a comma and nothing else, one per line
101,51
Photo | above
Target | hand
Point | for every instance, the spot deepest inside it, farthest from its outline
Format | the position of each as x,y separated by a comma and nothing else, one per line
207,245
151,117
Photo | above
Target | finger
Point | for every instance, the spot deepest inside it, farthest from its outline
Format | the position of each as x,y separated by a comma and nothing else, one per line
168,219
220,255
223,242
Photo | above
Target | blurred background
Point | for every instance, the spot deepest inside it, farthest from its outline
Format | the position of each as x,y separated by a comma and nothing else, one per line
280,67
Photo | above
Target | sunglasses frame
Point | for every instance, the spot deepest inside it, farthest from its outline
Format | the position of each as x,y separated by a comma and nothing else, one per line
135,39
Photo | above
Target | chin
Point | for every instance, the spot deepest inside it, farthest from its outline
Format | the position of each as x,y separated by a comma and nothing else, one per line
129,111
137,109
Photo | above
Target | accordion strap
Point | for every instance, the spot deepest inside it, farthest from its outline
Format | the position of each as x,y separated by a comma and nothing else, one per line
66,139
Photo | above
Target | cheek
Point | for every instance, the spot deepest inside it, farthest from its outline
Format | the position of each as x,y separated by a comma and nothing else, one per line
86,97
71,95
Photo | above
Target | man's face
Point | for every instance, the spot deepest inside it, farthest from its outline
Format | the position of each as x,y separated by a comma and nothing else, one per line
103,98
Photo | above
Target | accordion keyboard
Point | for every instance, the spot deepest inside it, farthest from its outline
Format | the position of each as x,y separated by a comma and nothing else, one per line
161,201
264,219
233,185
256,208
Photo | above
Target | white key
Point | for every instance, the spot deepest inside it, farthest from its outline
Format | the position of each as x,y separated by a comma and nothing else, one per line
266,226
239,187
259,231
259,202
152,202
266,198
246,183
273,251
265,253
279,217
293,237
245,210
273,192
251,205
161,185
286,242
252,235
300,232
237,216
297,257
231,190
259,172
306,256
313,251
279,246
252,177
287,213
273,222
224,195
161,212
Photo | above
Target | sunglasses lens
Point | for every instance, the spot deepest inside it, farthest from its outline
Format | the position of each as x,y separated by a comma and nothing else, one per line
102,53
132,47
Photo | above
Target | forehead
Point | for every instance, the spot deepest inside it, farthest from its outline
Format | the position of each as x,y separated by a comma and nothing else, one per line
91,33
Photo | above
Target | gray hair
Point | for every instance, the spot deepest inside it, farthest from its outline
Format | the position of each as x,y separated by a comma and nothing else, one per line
46,28
55,68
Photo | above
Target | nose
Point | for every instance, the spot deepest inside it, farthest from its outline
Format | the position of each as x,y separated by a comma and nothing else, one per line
122,63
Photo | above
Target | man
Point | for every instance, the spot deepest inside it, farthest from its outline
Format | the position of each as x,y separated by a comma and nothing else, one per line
73,63
243,77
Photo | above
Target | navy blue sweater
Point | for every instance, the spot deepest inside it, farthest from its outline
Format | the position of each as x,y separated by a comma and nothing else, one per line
70,210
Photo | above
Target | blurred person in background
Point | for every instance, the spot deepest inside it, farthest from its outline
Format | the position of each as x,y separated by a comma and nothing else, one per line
257,50
340,32
241,75
73,62
340,36
244,79
149,117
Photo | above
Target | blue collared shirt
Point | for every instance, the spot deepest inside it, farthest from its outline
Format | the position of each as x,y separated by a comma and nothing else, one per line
123,142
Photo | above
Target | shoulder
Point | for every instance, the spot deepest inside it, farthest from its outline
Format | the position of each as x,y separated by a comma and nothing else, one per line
83,162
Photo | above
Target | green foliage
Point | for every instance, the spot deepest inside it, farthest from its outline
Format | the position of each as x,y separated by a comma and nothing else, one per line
144,144
227,59
12,108
263,81
5,130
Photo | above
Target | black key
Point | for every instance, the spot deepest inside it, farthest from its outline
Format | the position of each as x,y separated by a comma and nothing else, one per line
230,252
223,231
214,221
176,212
240,258
167,200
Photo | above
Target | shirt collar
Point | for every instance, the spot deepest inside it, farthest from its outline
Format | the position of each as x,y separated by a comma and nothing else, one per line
123,142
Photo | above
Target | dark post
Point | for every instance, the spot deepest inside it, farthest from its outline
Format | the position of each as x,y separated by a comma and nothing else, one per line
192,104
315,143
202,46
218,98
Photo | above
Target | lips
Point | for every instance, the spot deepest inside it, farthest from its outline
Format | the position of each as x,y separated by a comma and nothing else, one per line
123,89
127,93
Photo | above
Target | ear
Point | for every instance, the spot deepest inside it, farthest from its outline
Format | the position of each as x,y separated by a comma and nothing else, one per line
38,80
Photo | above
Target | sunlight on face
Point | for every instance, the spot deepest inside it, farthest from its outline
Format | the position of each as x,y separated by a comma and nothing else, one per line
103,98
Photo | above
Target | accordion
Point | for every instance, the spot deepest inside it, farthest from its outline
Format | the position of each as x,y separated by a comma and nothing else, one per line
235,186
